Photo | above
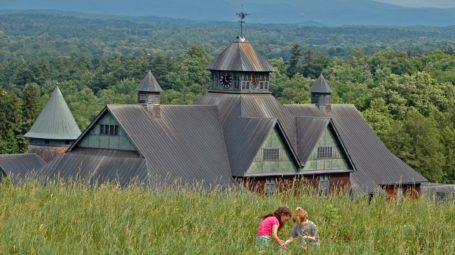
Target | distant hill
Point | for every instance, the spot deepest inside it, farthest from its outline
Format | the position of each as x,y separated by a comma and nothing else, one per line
328,12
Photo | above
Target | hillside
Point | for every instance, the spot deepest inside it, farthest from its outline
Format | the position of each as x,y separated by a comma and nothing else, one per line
328,12
32,34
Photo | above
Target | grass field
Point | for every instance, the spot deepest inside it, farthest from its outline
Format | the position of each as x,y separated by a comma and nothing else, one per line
78,219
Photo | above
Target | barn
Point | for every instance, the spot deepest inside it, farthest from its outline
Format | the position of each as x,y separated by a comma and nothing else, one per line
236,132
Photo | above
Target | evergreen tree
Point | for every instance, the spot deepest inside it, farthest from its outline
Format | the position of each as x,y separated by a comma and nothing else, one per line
294,61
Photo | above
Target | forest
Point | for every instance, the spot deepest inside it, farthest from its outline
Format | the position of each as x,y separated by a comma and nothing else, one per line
401,78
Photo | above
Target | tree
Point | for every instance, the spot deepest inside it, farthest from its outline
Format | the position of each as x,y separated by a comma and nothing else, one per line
31,107
313,64
417,141
294,61
11,133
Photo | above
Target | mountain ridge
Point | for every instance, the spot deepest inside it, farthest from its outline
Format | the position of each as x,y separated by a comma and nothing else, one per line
327,12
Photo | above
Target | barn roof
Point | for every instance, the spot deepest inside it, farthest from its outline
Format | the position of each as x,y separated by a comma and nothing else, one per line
97,166
17,166
219,136
321,86
240,56
149,84
247,120
309,131
185,143
374,164
55,120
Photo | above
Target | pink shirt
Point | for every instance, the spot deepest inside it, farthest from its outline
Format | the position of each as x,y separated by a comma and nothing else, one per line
265,228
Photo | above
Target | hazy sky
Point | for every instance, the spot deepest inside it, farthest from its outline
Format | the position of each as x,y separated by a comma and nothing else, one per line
422,3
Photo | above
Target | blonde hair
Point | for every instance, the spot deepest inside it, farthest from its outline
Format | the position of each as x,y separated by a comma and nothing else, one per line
300,215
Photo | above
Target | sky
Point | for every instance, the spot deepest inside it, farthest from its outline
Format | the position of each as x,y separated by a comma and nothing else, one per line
422,3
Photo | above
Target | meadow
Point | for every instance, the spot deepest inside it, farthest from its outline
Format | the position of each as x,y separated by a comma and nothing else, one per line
80,219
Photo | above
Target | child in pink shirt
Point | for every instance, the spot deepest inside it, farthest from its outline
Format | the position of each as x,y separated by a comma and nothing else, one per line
270,225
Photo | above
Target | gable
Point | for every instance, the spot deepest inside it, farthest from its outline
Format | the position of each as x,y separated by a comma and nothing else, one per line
272,158
327,154
106,133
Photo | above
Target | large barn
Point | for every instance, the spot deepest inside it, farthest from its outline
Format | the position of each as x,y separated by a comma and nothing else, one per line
236,132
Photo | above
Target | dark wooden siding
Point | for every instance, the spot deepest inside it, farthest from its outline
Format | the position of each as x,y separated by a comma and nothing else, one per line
338,182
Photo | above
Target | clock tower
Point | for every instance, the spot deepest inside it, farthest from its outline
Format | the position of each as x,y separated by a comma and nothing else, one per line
240,69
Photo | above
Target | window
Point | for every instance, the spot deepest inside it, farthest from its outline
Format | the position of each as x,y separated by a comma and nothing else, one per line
270,186
325,152
271,154
323,185
102,129
108,130
46,141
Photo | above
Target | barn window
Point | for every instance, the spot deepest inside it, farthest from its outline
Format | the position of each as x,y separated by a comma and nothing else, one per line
102,130
271,154
270,186
108,130
323,187
325,152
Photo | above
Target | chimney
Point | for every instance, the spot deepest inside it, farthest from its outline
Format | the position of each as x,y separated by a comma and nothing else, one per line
155,109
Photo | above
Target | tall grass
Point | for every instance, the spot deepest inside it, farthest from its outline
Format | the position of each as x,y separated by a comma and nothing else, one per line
80,219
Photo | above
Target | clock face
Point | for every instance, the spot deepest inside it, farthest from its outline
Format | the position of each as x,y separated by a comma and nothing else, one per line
225,80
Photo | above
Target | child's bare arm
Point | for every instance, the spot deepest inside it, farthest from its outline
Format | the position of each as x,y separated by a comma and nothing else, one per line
276,238
290,239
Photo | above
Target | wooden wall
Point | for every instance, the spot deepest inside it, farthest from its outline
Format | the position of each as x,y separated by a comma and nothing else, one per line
338,182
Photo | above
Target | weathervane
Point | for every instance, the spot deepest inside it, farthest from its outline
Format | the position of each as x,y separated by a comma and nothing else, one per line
242,15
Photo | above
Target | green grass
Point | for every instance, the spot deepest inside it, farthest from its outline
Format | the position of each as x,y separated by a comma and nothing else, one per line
78,219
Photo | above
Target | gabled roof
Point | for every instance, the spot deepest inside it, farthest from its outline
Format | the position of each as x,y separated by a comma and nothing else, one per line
55,120
247,120
185,144
309,131
374,164
17,166
240,56
321,86
149,84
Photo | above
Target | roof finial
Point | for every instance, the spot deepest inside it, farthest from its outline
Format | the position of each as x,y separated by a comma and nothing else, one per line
242,15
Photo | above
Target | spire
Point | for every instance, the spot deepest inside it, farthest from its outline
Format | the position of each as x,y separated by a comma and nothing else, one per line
55,120
320,86
240,56
149,84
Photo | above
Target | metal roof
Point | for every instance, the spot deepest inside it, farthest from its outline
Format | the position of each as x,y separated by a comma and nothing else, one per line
242,57
186,143
321,86
374,163
55,120
149,84
97,167
18,166
309,131
247,120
